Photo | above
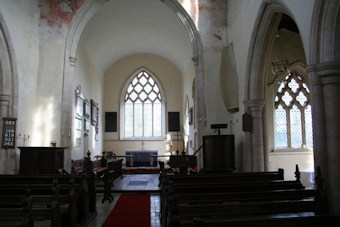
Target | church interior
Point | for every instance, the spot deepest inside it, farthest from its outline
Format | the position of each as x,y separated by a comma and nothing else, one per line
199,97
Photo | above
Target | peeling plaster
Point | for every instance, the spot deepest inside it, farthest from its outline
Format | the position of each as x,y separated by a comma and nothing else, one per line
60,12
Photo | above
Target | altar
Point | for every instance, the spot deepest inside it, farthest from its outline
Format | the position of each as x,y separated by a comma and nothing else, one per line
137,158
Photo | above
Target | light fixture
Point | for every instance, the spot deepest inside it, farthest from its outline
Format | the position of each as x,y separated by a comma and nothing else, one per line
280,63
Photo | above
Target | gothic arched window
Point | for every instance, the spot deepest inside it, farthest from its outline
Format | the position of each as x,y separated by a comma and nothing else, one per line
293,113
143,108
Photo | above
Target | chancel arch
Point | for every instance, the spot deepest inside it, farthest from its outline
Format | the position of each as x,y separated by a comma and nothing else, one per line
84,15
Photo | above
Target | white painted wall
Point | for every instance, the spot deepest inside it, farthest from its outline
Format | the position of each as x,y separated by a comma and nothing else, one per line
188,82
21,19
91,83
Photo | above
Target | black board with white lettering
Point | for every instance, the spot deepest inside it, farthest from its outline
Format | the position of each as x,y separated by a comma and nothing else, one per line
8,132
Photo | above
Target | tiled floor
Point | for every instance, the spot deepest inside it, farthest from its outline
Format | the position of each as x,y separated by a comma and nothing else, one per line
132,183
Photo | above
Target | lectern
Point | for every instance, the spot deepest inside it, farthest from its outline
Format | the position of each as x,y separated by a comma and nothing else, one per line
41,160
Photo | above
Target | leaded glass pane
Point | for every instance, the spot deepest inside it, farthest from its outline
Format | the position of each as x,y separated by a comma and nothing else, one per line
282,85
309,126
147,88
128,120
151,81
133,96
147,119
143,80
138,119
143,96
306,87
152,96
130,88
138,88
287,98
281,127
293,85
135,81
295,127
157,122
301,98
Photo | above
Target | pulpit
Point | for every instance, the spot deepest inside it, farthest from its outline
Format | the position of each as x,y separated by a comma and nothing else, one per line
41,160
219,152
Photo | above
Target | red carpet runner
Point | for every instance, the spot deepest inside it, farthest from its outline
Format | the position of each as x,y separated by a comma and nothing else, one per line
131,210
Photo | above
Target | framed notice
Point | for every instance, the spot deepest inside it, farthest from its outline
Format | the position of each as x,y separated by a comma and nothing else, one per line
8,132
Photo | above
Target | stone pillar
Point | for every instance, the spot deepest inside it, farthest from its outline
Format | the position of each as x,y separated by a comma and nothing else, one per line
200,115
7,156
66,117
257,154
326,119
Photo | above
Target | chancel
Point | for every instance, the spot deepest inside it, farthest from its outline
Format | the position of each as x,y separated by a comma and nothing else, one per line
227,106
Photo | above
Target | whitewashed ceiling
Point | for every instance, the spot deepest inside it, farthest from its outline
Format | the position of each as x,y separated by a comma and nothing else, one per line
124,27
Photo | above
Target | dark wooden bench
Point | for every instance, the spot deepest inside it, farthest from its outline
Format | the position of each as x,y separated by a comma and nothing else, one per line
77,198
239,202
110,160
78,167
267,221
26,212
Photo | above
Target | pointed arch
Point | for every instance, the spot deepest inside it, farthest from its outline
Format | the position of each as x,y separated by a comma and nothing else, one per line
268,19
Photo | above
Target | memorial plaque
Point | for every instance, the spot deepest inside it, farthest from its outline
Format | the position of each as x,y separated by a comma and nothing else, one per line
8,132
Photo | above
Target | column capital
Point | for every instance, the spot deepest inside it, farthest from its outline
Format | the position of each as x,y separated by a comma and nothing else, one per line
195,60
73,61
329,72
255,105
4,98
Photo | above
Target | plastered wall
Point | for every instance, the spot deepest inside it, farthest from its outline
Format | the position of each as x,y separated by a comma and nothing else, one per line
91,84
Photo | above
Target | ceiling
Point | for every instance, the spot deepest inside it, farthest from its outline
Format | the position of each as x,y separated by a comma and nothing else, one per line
124,27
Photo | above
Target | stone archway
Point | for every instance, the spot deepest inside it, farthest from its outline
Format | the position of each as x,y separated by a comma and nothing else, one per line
269,16
8,94
79,22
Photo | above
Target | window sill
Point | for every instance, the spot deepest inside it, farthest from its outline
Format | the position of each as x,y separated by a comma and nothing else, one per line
143,138
290,151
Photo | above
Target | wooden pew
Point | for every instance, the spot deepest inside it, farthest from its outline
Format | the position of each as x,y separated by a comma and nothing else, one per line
243,206
217,188
25,213
245,196
235,177
80,210
280,221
